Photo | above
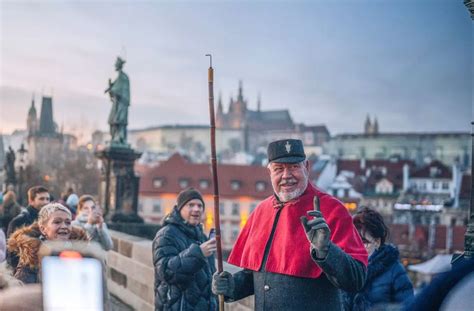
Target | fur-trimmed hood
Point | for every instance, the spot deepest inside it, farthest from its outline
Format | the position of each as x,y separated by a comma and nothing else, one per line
26,242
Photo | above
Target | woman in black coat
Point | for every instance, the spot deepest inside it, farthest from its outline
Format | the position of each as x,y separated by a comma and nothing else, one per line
387,281
183,258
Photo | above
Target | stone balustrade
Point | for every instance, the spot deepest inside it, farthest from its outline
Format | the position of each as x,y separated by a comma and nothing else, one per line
131,274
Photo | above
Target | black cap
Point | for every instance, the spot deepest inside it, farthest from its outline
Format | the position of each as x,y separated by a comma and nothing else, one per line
286,151
187,195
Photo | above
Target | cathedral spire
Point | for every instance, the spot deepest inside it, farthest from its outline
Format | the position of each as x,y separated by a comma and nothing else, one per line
32,120
376,126
241,95
220,109
367,125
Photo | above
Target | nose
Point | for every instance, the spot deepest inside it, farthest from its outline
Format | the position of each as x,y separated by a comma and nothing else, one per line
286,173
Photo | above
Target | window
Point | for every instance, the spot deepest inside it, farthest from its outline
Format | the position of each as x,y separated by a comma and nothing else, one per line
156,207
140,207
204,184
435,185
252,207
422,186
221,208
445,185
183,183
235,209
235,185
158,182
260,186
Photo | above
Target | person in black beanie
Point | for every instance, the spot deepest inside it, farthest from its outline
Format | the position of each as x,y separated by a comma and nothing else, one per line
183,258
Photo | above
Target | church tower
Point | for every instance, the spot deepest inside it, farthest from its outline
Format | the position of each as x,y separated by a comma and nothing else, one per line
32,119
367,126
220,113
376,126
46,125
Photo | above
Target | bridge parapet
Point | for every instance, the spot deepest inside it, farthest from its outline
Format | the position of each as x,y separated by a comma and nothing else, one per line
131,273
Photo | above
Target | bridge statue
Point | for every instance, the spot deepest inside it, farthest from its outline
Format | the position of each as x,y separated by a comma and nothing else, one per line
119,92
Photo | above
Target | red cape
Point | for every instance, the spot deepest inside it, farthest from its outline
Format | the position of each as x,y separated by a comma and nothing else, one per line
289,253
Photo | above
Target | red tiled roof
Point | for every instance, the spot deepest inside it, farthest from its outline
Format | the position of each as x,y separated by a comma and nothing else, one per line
176,168
425,172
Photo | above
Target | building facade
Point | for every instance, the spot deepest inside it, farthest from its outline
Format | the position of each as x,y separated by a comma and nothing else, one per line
241,188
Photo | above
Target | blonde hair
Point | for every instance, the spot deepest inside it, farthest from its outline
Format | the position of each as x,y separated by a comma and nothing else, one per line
49,209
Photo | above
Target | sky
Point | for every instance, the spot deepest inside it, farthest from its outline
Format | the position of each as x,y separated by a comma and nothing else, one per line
407,62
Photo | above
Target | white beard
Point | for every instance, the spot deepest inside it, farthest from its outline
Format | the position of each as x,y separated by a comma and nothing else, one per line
288,196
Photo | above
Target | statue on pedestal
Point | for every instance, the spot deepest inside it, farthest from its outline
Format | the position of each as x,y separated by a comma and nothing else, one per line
119,92
9,167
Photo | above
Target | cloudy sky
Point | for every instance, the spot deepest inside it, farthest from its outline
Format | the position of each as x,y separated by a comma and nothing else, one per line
409,62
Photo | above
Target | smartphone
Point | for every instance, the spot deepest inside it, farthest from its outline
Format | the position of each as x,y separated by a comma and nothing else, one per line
212,233
72,283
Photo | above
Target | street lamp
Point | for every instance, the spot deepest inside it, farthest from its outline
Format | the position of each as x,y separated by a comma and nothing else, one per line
22,165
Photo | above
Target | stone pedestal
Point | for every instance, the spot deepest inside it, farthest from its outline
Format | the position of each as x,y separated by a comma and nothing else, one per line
118,192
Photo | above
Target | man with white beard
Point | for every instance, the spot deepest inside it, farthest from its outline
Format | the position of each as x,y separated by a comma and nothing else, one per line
291,261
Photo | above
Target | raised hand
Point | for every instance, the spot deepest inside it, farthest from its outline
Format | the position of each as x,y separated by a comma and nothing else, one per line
317,230
208,247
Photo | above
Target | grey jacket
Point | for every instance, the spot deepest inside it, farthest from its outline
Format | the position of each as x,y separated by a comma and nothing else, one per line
99,235
282,292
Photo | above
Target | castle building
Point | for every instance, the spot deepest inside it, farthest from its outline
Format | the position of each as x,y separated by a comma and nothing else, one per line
261,127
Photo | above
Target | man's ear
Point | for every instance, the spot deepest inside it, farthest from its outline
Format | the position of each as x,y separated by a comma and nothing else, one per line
306,164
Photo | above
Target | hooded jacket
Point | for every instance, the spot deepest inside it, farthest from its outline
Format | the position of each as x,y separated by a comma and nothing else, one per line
387,282
25,243
182,273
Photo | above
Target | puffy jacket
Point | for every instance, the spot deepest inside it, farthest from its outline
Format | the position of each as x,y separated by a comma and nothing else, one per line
387,282
182,273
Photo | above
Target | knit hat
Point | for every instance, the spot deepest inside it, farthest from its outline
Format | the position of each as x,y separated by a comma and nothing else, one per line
187,195
72,200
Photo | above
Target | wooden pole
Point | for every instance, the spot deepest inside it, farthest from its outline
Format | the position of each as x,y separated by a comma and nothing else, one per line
220,267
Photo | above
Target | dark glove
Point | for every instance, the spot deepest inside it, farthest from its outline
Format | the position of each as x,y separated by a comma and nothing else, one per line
317,231
223,284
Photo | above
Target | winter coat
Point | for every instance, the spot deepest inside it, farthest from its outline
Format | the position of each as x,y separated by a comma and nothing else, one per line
182,273
25,218
275,291
25,243
290,291
99,235
10,210
387,282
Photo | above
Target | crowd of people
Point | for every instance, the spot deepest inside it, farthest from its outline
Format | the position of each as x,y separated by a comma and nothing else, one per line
299,250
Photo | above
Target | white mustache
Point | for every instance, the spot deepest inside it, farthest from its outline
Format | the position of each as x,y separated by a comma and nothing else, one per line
288,181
